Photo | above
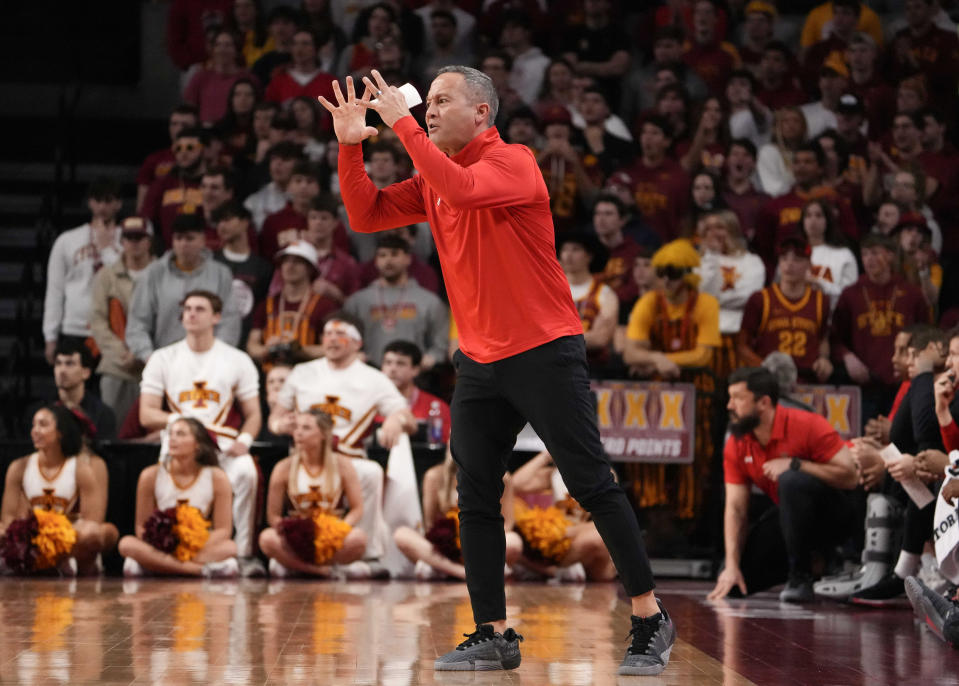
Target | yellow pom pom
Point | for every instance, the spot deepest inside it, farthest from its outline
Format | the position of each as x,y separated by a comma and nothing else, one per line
55,538
331,531
191,530
544,529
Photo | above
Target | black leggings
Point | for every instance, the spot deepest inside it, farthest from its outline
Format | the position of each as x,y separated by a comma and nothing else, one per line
547,386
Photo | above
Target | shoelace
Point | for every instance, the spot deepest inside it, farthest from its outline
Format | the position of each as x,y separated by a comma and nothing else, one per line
642,634
481,635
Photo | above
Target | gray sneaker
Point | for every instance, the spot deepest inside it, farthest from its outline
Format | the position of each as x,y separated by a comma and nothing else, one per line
251,567
653,639
937,611
483,650
798,590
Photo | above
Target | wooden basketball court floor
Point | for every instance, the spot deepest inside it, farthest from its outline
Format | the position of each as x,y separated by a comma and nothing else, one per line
116,631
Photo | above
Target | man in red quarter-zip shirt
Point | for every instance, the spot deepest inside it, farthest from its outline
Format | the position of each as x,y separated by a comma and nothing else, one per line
522,356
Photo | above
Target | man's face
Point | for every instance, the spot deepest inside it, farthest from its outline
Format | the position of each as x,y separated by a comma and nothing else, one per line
667,51
281,169
653,142
606,219
198,315
793,267
759,27
188,246
556,133
294,269
104,209
69,372
495,68
282,31
320,225
887,217
932,355
905,135
338,344
932,132
900,355
302,187
910,238
451,118
847,124
918,12
230,229
740,163
573,258
392,263
671,105
444,31
399,369
704,21
806,168
262,120
187,152
136,244
593,108
180,121
275,378
861,57
743,409
876,262
904,190
303,50
663,77
832,86
773,64
521,131
214,192
644,275
908,99
382,166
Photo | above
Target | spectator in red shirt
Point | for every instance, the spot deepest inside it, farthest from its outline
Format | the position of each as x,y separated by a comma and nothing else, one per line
338,272
187,24
867,84
759,27
660,184
739,193
924,48
180,188
570,186
867,318
799,461
283,227
710,56
161,162
845,17
777,85
609,218
302,76
401,363
522,355
209,87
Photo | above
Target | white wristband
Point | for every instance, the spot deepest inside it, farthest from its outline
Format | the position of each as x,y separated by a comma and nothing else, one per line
245,438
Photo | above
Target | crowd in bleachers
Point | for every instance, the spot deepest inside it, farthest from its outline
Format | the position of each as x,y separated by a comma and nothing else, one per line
724,187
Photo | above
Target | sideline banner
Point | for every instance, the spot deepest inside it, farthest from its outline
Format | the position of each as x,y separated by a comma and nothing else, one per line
840,405
646,421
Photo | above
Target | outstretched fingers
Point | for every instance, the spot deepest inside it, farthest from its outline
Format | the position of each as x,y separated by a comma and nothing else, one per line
350,90
330,107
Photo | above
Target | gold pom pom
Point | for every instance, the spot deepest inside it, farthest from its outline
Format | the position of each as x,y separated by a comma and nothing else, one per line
55,538
191,530
331,531
544,530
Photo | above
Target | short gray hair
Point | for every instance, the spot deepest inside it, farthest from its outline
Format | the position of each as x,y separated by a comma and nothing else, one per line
783,367
479,85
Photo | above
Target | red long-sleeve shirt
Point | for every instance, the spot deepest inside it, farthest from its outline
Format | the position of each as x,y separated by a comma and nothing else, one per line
950,436
489,212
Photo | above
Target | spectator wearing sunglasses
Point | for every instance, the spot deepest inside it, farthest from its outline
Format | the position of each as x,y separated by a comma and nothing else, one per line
110,297
180,189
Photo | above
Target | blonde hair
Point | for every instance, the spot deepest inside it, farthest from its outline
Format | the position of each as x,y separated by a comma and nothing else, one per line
787,150
332,481
735,241
679,253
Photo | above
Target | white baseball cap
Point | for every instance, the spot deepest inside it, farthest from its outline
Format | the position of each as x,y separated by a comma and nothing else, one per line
302,249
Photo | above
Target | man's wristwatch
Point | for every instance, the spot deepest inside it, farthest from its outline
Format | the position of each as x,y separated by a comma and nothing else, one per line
795,464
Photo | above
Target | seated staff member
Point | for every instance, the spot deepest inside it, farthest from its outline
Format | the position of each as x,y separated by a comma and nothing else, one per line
187,474
312,478
64,477
437,554
790,317
803,465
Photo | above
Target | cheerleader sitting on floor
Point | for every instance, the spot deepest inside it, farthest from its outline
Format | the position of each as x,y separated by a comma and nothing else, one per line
314,485
556,532
68,485
437,554
183,515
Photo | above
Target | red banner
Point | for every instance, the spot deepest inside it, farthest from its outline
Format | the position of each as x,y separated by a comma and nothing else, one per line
841,405
646,421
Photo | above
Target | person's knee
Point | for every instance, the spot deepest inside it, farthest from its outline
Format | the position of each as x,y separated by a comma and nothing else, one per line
127,545
794,484
269,542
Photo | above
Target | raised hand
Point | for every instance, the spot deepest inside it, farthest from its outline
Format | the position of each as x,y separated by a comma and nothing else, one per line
349,116
390,103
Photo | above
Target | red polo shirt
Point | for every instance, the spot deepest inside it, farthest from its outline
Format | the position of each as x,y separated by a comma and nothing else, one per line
796,433
489,211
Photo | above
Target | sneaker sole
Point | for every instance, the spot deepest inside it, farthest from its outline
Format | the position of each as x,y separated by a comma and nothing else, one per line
649,670
914,593
888,602
476,666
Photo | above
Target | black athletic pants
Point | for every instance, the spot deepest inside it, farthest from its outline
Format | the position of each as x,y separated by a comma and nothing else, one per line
811,516
547,386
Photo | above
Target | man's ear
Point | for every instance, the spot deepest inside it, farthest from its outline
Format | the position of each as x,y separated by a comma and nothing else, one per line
482,113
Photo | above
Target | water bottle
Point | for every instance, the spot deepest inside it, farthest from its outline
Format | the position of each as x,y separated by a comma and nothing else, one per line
434,426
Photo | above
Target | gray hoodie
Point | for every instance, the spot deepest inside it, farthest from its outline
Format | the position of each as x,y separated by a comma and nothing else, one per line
154,317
